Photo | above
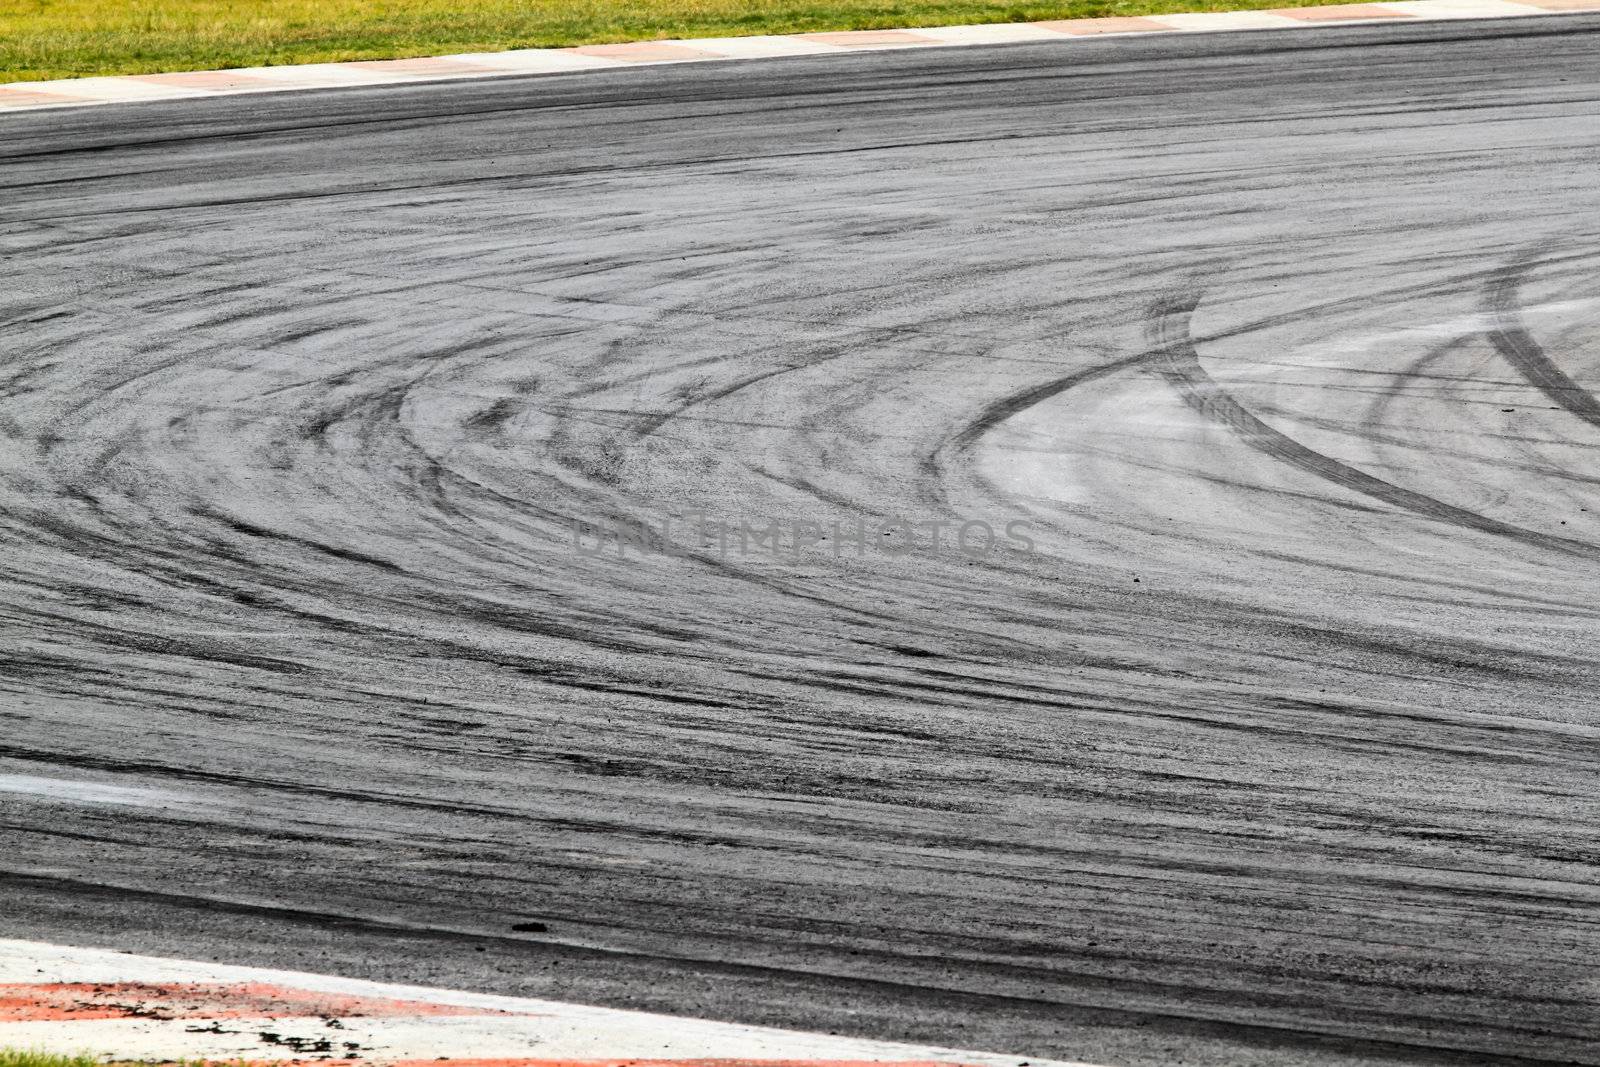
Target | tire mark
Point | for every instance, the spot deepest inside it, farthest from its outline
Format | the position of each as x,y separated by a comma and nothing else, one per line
1179,364
1513,341
442,938
933,467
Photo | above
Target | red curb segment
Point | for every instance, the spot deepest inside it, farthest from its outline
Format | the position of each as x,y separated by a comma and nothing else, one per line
29,98
215,80
1088,27
643,51
68,1001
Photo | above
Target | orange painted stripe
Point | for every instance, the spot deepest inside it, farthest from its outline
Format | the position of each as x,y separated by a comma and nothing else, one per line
64,1001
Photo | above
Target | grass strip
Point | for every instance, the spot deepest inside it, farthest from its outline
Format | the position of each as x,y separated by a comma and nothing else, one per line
16,1057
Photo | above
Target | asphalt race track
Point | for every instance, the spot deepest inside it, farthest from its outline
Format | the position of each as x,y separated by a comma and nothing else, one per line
1279,746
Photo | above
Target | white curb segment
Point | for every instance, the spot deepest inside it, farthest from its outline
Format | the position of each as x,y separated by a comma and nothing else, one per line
80,92
118,1006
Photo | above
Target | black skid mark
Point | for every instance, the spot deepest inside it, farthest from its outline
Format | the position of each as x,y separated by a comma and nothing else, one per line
958,445
1513,341
1179,363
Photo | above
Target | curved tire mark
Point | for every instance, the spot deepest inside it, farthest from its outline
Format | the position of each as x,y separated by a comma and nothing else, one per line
1179,363
959,444
1513,341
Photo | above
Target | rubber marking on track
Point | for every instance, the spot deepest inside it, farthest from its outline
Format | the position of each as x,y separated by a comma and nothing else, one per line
1513,341
1181,367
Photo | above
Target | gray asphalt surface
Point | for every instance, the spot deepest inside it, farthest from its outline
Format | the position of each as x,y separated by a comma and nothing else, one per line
1279,747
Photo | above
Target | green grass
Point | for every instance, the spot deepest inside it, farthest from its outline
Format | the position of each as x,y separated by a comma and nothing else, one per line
12,1057
72,38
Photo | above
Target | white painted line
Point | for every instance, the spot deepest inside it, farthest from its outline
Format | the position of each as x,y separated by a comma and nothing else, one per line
1213,21
1462,9
322,75
766,46
998,33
